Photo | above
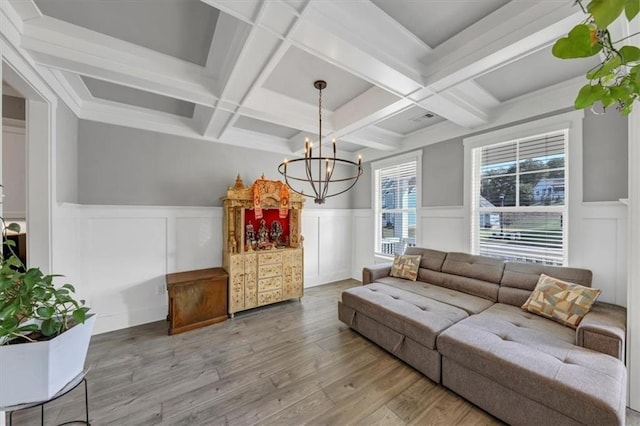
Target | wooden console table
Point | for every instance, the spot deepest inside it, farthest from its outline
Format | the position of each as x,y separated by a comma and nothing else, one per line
196,299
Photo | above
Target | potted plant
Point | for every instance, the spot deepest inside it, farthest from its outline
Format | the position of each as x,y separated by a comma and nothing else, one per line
616,79
44,331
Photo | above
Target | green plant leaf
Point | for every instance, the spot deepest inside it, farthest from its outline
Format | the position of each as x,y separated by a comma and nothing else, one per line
631,9
605,11
620,92
69,287
15,227
577,44
588,95
605,69
50,327
630,53
45,312
80,315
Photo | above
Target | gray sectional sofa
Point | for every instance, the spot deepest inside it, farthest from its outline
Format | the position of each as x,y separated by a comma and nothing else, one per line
461,324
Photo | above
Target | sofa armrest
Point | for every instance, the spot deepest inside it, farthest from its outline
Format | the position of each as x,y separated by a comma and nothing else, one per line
604,329
374,272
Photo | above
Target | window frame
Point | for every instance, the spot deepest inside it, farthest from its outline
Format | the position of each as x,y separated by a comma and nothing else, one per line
376,204
571,122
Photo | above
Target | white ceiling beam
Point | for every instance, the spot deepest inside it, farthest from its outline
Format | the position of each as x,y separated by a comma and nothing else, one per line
515,30
544,101
136,117
140,118
389,59
312,26
375,138
255,140
26,9
229,38
263,49
60,45
61,83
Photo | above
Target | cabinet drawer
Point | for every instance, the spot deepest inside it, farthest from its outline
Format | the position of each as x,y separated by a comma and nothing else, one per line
268,284
268,297
267,258
266,271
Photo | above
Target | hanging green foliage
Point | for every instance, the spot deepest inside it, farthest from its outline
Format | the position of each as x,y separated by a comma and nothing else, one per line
616,80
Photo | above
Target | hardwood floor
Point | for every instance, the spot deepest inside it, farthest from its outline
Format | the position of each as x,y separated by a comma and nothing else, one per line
286,364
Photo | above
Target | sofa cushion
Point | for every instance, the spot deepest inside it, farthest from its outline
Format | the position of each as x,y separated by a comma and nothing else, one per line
519,279
405,266
411,315
561,301
536,358
467,302
467,285
479,267
431,259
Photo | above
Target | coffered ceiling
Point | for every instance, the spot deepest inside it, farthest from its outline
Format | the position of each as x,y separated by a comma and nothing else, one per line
242,72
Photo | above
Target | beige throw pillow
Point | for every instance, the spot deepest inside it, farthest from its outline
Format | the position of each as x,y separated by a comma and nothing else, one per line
561,301
405,266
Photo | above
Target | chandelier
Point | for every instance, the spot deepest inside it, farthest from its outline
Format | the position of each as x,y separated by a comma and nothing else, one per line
318,171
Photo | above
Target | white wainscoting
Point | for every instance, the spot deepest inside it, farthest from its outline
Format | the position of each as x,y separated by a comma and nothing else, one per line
117,256
598,241
327,245
362,241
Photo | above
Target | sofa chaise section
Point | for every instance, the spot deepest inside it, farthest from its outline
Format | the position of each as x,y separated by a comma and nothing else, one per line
401,322
505,359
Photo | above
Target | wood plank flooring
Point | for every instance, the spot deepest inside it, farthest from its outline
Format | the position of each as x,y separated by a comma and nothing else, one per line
286,364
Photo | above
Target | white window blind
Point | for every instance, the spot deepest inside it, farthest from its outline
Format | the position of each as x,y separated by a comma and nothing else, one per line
519,199
395,198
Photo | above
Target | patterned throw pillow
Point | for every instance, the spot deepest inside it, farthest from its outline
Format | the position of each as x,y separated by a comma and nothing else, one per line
561,301
405,266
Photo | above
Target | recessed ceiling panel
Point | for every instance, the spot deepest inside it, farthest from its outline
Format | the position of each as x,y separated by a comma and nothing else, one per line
296,72
140,98
260,126
533,72
410,120
179,28
435,21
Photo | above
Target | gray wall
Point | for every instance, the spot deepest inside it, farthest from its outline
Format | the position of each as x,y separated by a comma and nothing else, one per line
13,107
605,149
66,155
606,156
443,173
124,166
361,193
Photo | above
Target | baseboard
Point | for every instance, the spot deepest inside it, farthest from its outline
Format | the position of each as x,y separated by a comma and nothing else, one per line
120,320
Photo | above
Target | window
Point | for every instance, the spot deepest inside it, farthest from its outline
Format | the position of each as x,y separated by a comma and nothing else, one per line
519,203
396,198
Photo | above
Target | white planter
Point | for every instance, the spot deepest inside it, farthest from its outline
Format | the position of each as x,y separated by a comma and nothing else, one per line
32,372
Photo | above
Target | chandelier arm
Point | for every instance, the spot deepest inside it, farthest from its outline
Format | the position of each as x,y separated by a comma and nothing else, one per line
333,169
328,175
350,186
307,163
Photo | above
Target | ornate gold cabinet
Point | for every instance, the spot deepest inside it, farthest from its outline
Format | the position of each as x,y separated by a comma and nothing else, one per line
262,252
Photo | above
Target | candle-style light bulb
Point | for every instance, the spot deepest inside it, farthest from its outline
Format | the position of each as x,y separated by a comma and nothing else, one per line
310,149
334,147
359,160
285,165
